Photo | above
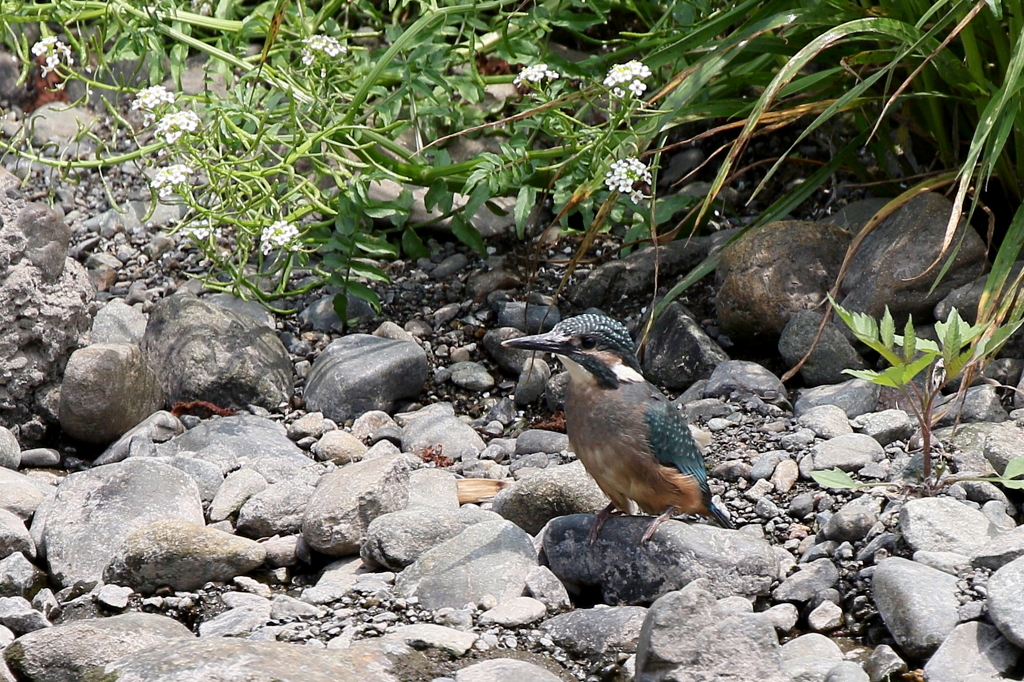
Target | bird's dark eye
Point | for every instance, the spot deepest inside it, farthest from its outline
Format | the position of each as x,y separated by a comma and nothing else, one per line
588,342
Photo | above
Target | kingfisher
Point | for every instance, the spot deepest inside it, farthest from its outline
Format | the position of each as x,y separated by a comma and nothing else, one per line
631,439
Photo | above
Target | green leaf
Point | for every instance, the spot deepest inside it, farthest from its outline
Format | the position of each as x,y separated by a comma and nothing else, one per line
909,340
413,246
526,200
835,478
468,235
1014,468
887,331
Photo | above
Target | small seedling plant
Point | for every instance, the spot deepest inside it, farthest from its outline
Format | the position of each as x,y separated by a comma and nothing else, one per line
919,369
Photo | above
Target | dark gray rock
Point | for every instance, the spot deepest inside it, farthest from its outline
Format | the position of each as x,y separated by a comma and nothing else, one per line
472,376
688,636
810,580
181,555
737,379
397,539
108,388
509,359
489,558
775,271
201,351
678,351
1005,607
533,379
677,554
855,397
44,302
541,440
556,491
349,498
972,649
885,270
220,658
883,663
917,603
74,650
93,512
831,355
941,524
851,523
592,632
505,670
634,275
359,372
40,458
978,404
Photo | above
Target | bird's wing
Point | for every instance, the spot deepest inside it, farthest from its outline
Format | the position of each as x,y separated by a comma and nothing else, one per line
671,441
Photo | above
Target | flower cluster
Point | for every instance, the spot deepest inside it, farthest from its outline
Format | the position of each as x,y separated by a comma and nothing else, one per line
177,123
624,175
327,45
200,231
166,179
148,100
633,73
537,73
53,51
277,235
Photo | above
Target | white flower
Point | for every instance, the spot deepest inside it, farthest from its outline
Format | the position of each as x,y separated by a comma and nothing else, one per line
54,51
148,100
535,74
632,72
624,174
328,45
175,124
166,179
200,231
277,235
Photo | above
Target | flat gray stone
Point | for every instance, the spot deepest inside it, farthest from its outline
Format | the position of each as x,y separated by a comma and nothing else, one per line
158,427
118,322
14,536
430,636
740,378
181,555
20,494
514,613
917,603
279,509
592,632
229,441
827,421
446,435
94,511
17,614
678,553
19,577
855,397
850,452
358,373
811,579
941,524
1005,607
1000,550
10,450
489,558
433,488
886,426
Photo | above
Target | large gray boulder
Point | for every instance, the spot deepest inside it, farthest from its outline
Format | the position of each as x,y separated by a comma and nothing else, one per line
358,373
201,351
917,603
398,539
44,304
677,554
93,511
556,491
108,389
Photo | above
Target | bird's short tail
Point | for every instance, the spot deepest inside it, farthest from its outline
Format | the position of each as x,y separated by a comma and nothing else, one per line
718,514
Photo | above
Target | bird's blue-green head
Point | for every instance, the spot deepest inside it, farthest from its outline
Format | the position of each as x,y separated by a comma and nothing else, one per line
592,343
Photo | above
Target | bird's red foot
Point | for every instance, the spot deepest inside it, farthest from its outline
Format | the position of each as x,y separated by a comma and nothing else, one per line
607,512
665,516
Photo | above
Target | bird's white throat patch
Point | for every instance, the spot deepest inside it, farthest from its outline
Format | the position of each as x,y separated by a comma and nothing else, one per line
622,371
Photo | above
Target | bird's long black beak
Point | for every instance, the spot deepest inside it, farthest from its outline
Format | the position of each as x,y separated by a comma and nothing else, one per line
548,343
